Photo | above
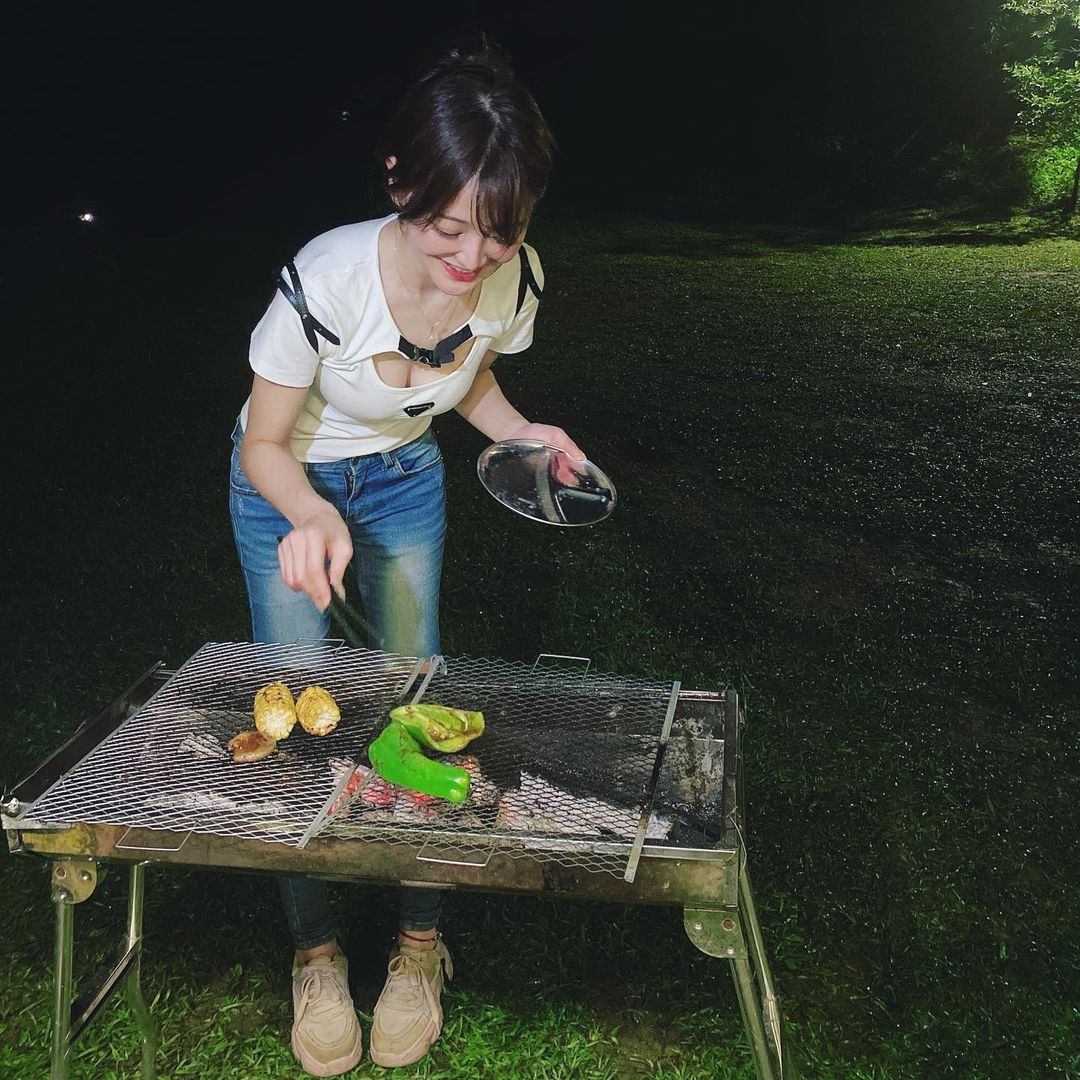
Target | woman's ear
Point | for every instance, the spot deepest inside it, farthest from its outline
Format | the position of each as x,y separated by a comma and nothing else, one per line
397,197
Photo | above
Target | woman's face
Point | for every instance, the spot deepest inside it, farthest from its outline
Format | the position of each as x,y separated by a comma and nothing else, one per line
455,254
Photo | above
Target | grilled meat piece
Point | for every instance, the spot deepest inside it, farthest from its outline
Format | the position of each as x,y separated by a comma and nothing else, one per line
252,746
275,713
317,711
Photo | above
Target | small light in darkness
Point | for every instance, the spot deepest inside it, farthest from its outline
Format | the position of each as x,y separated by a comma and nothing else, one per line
344,114
87,218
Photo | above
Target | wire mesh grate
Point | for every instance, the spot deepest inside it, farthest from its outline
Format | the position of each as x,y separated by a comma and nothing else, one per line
168,766
562,772
565,770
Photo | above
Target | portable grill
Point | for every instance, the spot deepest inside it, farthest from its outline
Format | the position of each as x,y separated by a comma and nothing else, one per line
583,784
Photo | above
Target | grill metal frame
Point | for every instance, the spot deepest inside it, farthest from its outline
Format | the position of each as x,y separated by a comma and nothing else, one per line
704,874
698,870
582,755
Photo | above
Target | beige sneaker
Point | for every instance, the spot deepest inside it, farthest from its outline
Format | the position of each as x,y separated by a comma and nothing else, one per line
408,1014
325,1033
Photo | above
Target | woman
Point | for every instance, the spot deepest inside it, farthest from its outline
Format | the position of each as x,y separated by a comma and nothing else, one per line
375,328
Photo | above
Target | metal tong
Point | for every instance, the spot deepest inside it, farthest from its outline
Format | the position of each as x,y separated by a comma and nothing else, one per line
354,627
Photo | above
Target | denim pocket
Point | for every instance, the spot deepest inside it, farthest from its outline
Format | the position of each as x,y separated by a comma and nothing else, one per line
415,457
238,482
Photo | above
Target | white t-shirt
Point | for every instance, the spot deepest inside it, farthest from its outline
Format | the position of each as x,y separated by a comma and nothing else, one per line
349,410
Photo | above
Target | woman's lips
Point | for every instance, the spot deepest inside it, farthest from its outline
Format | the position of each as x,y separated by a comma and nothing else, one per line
460,275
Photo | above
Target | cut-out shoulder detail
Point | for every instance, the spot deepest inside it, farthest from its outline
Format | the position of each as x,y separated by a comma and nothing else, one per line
361,388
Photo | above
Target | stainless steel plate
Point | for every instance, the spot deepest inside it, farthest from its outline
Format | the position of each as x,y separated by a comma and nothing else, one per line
545,483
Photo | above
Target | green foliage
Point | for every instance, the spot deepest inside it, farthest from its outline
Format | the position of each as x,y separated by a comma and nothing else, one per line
1050,173
991,174
1022,171
1041,40
1050,98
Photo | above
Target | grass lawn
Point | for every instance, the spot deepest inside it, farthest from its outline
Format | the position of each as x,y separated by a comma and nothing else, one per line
848,465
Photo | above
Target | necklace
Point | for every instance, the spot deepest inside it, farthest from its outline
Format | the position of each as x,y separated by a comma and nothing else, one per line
432,333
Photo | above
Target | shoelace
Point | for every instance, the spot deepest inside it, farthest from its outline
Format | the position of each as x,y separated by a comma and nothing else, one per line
321,990
411,972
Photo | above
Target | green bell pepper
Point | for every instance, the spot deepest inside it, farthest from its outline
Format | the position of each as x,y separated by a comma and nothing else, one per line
438,727
396,756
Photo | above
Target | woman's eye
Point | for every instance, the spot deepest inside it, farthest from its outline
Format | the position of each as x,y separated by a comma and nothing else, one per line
448,235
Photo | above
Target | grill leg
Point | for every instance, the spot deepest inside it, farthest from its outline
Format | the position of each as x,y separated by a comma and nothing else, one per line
770,1003
62,983
148,1028
734,934
744,987
73,881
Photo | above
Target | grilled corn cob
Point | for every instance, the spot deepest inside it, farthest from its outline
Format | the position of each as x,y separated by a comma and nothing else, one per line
275,712
317,711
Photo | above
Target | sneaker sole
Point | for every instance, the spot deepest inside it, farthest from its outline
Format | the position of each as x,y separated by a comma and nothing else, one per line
328,1068
406,1057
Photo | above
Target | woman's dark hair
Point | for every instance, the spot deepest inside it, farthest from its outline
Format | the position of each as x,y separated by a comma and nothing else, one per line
469,117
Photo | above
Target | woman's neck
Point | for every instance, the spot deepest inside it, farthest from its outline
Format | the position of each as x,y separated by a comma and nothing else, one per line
412,268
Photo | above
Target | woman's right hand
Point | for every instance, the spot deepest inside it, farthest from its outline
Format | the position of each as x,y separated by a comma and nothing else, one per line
303,556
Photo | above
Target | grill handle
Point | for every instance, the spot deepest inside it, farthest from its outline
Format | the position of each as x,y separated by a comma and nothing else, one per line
421,857
559,656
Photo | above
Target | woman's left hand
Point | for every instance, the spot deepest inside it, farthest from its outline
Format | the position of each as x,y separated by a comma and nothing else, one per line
553,436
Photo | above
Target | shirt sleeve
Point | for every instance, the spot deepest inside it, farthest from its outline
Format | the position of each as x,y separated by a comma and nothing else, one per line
519,334
280,351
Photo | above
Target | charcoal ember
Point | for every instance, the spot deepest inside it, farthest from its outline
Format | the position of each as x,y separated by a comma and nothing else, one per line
341,767
689,832
414,807
521,811
501,762
482,816
691,789
203,745
377,792
541,807
191,800
612,767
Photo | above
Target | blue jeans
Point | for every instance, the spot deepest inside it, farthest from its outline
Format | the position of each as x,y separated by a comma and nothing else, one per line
395,507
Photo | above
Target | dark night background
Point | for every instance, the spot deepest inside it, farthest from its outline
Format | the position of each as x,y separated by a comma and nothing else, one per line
862,513
222,121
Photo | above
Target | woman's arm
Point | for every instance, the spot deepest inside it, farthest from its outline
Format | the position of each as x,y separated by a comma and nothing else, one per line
486,408
267,460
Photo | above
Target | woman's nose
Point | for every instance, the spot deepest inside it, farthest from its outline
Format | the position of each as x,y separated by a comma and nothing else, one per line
471,254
